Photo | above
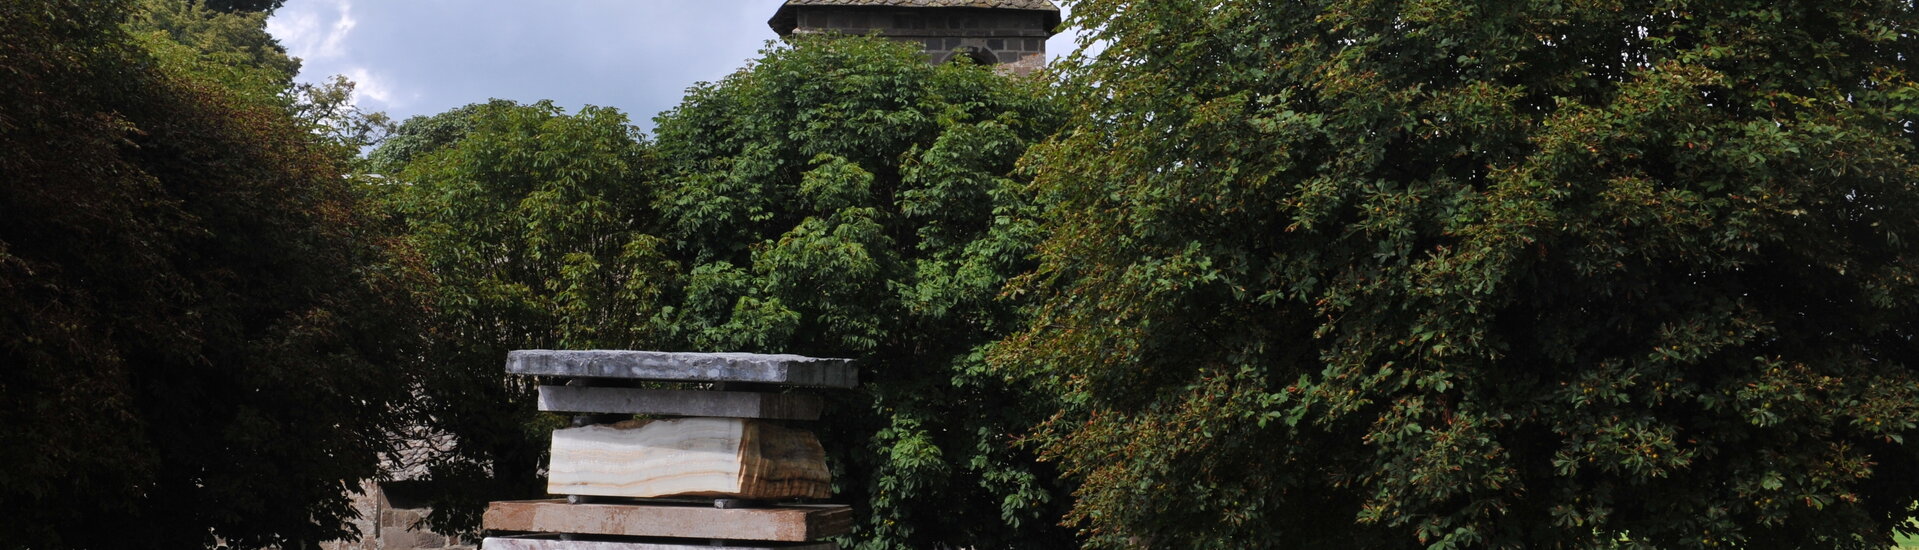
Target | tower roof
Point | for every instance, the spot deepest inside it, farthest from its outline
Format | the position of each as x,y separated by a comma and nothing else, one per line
783,21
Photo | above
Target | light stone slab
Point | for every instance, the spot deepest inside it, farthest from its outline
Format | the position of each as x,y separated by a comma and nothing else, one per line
700,456
548,543
791,370
590,399
795,523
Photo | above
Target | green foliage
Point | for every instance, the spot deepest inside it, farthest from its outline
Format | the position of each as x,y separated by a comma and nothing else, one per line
233,49
200,332
836,198
330,114
420,135
534,224
1376,274
843,198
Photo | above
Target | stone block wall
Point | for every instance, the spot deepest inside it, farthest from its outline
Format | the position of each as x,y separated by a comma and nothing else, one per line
1016,38
387,520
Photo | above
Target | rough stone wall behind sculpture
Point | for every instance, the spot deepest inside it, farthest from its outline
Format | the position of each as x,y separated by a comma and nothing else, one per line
383,526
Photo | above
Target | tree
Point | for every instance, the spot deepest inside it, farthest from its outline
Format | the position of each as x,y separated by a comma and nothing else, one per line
233,49
836,198
202,336
339,125
535,225
843,198
1341,274
419,135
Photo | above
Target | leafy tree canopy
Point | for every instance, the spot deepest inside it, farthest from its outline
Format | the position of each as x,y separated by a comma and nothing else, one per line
343,130
421,134
233,49
836,198
535,226
1360,274
200,331
843,198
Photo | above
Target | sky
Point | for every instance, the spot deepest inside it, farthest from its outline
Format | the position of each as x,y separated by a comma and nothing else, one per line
421,57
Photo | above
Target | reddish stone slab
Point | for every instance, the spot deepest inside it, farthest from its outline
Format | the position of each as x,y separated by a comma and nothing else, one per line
547,542
795,523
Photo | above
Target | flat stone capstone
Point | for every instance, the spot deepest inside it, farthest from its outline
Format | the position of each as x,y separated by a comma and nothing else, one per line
790,370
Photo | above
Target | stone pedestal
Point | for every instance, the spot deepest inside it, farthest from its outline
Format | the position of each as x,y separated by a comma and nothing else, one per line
699,468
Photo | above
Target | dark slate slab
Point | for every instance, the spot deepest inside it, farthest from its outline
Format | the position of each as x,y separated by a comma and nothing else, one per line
779,406
791,370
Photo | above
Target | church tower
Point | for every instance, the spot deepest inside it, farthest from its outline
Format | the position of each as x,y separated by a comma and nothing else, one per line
1008,33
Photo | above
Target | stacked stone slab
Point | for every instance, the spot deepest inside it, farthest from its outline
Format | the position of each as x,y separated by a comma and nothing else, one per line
700,468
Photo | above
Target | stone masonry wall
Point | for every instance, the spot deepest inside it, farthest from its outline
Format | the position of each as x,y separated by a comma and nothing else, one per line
386,526
1016,38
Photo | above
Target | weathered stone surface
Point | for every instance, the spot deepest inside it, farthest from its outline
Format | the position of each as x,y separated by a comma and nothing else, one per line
1046,5
712,457
782,406
786,523
547,542
388,524
1002,33
792,370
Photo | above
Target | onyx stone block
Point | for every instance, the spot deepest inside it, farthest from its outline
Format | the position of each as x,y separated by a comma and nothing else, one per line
709,457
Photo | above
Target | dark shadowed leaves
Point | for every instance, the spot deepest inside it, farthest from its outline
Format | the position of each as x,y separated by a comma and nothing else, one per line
1360,274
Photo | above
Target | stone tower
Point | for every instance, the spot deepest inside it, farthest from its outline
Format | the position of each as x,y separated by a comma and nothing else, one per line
1008,33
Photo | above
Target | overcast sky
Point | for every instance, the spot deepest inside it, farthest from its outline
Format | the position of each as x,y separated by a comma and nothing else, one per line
420,57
